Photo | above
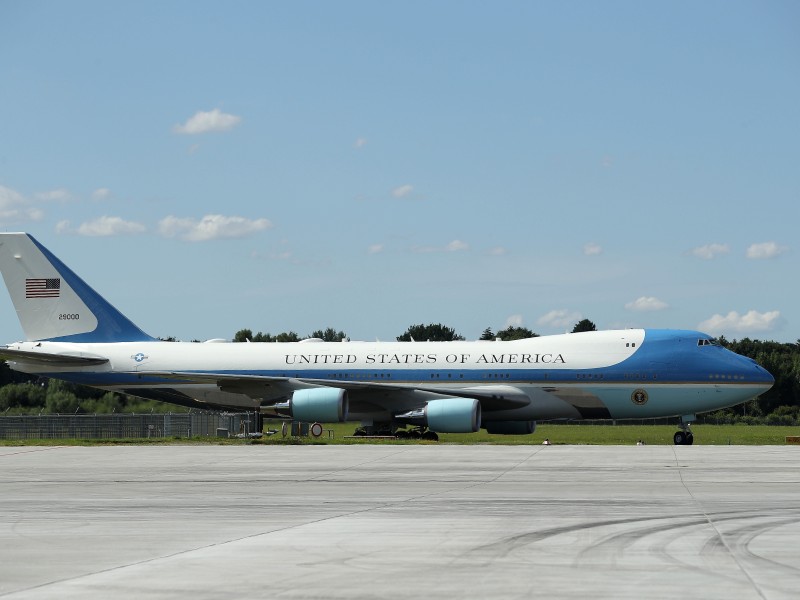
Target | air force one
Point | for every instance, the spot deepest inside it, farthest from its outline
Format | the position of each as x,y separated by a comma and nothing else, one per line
75,335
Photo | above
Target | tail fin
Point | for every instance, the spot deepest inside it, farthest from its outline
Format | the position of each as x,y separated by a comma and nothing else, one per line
55,304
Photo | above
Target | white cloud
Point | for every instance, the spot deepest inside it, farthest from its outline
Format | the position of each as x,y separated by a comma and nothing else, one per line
751,322
285,255
646,304
375,249
765,250
498,251
34,214
15,208
101,194
361,142
9,197
560,318
102,227
58,195
203,122
710,251
592,249
211,227
514,321
402,191
456,246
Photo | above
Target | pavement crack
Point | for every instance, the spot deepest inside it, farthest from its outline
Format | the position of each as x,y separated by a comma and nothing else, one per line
719,535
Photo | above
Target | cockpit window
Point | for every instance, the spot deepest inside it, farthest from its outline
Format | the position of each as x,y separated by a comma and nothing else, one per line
708,342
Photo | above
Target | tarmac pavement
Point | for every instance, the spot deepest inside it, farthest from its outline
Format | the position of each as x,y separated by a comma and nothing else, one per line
400,521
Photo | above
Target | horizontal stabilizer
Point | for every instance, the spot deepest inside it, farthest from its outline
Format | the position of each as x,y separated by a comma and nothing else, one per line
52,359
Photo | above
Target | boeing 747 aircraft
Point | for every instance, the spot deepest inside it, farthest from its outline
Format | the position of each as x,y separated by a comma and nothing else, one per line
455,387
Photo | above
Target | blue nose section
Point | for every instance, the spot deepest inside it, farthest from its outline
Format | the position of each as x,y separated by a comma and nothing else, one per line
754,372
766,375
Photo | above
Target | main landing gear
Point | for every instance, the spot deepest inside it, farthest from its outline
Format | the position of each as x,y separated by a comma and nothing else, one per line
415,433
684,437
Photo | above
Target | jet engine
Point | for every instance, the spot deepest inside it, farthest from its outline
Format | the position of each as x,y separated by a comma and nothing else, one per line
449,415
510,427
323,405
454,415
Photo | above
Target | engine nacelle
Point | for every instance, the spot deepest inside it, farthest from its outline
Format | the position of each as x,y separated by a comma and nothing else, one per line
324,405
453,415
510,427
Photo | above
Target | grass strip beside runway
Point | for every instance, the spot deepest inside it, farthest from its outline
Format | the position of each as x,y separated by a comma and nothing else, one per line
709,435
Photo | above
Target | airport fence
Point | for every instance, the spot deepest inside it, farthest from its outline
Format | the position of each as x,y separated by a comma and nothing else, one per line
123,426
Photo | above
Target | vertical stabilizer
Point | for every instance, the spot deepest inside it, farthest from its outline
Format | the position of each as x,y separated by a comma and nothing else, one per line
52,302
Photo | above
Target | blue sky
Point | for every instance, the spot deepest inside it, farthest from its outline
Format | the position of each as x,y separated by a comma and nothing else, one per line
209,167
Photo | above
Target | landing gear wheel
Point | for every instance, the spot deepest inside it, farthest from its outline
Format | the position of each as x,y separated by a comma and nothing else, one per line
679,438
360,432
430,436
401,434
689,439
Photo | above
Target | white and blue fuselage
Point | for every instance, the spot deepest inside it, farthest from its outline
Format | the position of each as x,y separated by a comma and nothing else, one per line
623,374
76,335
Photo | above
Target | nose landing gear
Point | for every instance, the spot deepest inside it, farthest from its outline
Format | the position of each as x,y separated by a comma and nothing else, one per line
684,437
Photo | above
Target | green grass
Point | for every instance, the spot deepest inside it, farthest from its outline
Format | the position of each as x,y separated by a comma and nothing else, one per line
587,435
707,435
716,435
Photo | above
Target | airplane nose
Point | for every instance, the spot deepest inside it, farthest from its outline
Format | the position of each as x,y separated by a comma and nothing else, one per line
751,371
761,375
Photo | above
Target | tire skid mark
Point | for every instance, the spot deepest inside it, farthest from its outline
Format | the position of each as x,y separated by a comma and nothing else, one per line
509,544
742,538
711,558
613,546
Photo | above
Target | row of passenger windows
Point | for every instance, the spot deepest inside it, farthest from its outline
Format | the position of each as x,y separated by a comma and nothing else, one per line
358,376
629,376
374,376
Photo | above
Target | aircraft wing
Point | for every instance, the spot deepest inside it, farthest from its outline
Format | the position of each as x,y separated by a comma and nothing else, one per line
52,359
491,397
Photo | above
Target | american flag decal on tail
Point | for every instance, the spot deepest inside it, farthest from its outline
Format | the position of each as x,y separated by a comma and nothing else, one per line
42,288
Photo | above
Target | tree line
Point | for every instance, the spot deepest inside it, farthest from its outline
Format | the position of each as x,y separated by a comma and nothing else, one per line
781,404
25,394
433,332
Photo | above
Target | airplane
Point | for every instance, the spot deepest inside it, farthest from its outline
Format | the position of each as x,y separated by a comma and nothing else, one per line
409,389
